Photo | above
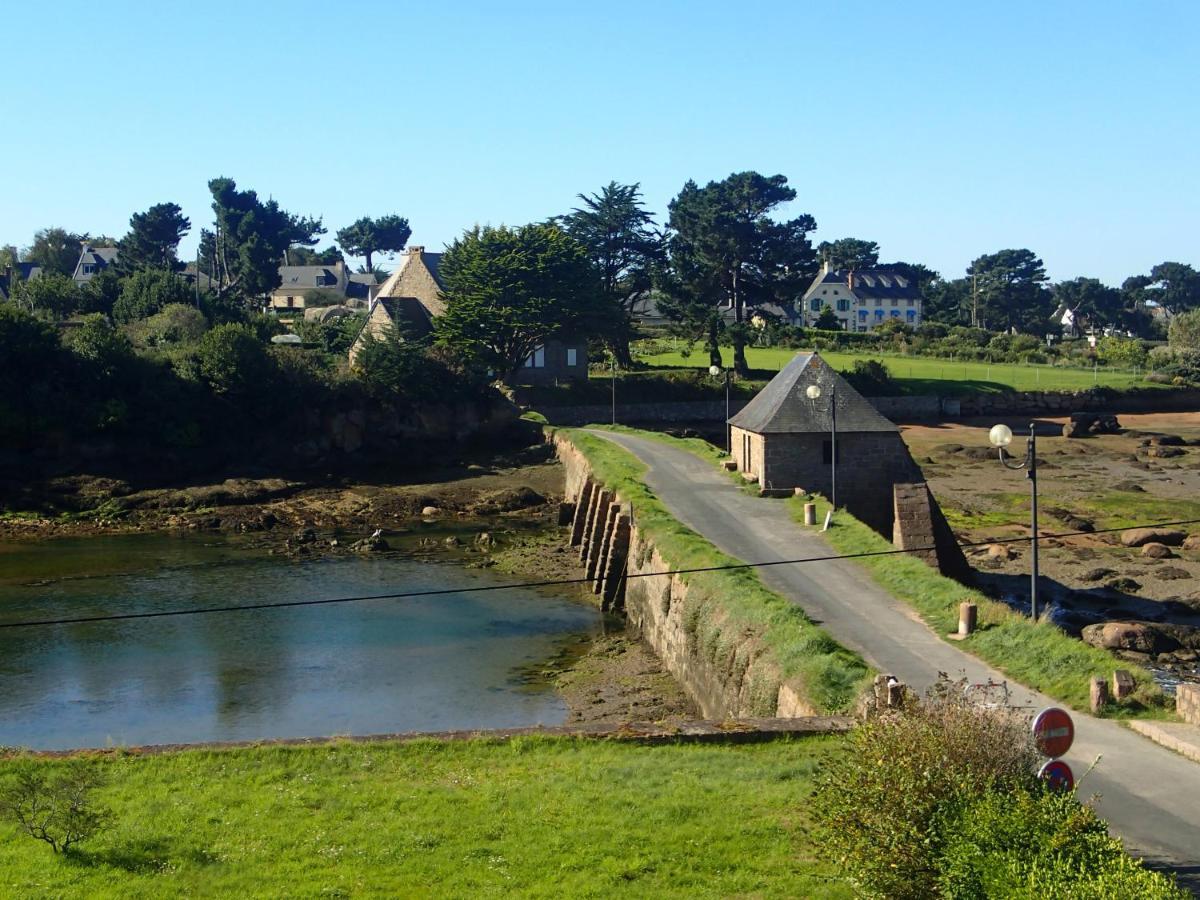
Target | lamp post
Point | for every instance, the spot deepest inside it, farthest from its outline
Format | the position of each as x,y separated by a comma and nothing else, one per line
813,392
716,371
613,361
1001,436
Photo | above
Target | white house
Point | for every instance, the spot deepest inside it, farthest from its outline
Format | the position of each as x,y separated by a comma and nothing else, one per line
863,299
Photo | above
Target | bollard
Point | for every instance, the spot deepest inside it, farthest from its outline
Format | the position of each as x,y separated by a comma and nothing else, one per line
968,617
810,514
1122,684
1099,694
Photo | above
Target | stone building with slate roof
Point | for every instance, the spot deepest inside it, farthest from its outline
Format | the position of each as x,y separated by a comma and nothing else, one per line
783,440
863,299
93,261
412,298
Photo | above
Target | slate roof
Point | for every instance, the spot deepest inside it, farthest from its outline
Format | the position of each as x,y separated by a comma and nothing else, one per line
783,407
304,277
879,282
408,313
100,257
21,271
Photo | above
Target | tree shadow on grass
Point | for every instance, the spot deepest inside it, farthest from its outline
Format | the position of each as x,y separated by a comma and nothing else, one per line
140,856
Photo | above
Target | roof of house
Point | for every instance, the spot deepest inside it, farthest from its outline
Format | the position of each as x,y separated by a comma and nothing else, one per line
304,277
406,281
408,313
880,281
100,257
22,271
783,406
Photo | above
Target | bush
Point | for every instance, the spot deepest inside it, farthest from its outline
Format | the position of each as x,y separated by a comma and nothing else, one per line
49,293
1127,353
394,369
942,799
882,803
175,323
871,378
147,291
1184,332
54,805
234,361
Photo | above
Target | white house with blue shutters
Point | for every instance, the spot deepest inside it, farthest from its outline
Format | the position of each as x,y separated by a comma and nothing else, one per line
863,299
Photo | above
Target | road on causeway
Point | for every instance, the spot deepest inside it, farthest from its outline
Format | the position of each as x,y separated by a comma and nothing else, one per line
1149,795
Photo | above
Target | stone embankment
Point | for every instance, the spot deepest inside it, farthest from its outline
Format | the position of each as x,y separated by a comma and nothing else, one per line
628,572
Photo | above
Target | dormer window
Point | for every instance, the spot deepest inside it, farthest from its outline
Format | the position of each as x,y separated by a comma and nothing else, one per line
89,269
319,279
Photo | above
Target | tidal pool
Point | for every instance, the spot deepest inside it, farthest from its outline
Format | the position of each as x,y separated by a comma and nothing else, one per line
426,663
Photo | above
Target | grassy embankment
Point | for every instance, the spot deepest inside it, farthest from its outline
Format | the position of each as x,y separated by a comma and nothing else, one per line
534,817
725,606
1039,655
1116,509
925,375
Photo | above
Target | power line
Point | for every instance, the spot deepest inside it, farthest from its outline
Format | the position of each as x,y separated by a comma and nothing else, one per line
408,595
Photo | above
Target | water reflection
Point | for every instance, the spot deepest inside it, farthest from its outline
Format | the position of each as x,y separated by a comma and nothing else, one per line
414,664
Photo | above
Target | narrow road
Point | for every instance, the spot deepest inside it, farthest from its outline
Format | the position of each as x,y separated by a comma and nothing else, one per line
1149,795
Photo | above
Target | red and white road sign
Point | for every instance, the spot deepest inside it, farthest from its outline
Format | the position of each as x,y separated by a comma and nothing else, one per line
1058,775
1053,731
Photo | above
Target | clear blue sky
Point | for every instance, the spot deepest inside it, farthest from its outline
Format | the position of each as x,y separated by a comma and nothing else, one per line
941,130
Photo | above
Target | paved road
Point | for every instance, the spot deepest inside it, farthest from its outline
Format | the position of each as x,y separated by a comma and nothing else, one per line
1150,795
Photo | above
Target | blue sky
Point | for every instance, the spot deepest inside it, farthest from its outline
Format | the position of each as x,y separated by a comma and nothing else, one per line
940,130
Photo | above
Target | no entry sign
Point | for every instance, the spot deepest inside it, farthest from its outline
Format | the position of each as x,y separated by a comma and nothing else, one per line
1053,731
1058,775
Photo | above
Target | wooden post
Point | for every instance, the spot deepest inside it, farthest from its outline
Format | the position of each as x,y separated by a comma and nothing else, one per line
968,617
1099,694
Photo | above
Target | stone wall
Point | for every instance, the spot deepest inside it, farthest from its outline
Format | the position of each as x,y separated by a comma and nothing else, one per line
899,409
626,569
1187,703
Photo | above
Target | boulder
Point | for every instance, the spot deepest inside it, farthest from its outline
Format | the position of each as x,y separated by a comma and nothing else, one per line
1001,552
1124,584
1137,537
1130,486
1154,550
1142,637
1165,452
1085,424
430,511
1097,574
1192,542
1172,573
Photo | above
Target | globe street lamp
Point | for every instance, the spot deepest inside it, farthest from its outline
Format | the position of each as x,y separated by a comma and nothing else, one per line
715,372
1001,436
813,392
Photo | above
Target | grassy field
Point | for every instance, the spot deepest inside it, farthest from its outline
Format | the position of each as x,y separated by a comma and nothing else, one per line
533,817
726,606
923,375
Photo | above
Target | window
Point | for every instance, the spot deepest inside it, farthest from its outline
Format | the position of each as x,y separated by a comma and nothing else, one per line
88,269
879,301
319,279
879,315
862,315
823,291
572,356
815,304
912,315
895,313
843,304
910,301
537,359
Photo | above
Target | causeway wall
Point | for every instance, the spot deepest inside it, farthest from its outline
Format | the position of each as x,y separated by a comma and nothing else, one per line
724,670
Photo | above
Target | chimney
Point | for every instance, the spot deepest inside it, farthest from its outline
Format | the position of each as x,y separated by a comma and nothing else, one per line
416,251
850,281
825,267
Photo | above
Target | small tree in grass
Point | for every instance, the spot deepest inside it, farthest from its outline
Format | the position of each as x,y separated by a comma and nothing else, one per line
827,320
55,804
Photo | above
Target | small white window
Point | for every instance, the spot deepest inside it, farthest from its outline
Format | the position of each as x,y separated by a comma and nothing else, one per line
572,357
537,359
88,270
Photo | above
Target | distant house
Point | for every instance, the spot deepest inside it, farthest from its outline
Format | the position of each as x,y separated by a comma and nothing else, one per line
411,298
93,261
298,281
862,299
22,271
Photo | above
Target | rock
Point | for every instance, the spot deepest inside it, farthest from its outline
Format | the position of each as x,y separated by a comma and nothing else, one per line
430,511
1097,574
1123,584
507,501
484,539
451,541
1099,694
1075,523
1155,550
334,543
1084,424
1137,537
1000,551
1129,486
370,545
1172,573
1142,637
1167,440
1192,542
1165,452
1122,684
306,536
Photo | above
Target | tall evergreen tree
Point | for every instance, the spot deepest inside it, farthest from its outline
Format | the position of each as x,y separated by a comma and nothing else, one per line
849,254
153,239
367,236
726,250
624,246
1009,292
55,250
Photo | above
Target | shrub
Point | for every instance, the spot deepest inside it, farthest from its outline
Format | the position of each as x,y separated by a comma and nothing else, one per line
147,291
1184,332
55,805
1125,352
97,342
175,323
50,293
882,804
234,361
871,378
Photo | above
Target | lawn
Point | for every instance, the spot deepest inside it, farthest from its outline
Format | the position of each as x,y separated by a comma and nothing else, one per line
922,375
530,817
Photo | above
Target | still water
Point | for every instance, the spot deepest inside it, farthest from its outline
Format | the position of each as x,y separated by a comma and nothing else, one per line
433,663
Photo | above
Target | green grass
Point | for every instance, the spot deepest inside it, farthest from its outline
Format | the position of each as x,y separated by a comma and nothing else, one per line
925,375
531,817
725,607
